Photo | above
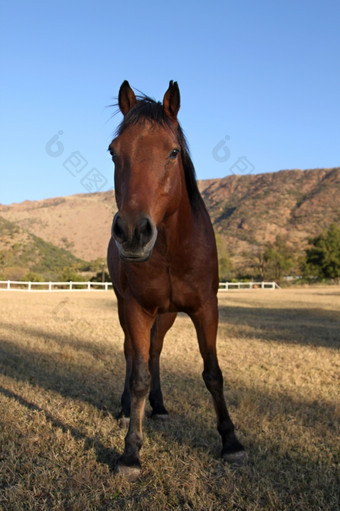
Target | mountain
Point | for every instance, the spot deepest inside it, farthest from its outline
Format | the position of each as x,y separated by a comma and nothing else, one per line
247,212
22,254
78,223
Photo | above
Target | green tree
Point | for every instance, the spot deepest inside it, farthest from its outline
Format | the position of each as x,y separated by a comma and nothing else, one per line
71,273
101,276
255,262
33,277
2,261
93,266
278,259
225,266
323,257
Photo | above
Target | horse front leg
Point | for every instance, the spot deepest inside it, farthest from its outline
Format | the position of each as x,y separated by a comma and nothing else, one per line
138,325
124,414
160,327
206,321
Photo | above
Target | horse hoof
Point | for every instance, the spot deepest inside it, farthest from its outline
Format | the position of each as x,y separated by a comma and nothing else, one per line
128,473
123,422
235,459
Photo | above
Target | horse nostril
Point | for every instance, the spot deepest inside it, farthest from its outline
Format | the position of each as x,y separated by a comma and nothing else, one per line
133,236
120,230
144,231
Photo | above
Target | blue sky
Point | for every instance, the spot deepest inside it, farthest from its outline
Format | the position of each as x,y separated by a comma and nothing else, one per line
259,85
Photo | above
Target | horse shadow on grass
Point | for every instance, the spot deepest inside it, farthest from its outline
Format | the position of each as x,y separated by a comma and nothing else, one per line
104,455
65,377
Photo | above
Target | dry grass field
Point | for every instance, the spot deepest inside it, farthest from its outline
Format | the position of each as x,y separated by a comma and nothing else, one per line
61,376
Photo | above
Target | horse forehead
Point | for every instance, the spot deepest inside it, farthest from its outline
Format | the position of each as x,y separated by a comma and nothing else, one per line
148,135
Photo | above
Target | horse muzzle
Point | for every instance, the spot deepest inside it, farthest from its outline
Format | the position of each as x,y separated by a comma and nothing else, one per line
135,240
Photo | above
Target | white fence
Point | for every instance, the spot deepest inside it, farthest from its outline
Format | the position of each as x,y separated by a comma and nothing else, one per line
226,286
14,285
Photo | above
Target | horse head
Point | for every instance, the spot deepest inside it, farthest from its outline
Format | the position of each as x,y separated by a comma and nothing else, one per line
149,173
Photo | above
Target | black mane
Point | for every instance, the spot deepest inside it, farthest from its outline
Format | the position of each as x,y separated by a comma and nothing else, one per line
147,109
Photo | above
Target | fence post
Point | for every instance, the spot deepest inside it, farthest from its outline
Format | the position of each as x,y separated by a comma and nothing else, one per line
88,286
29,286
70,285
8,284
50,286
106,286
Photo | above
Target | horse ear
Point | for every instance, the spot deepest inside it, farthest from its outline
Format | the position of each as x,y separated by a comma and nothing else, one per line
172,101
126,98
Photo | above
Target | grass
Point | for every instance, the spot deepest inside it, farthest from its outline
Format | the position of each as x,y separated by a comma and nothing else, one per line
61,376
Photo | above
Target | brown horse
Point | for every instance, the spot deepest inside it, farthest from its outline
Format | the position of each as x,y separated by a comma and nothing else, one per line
162,260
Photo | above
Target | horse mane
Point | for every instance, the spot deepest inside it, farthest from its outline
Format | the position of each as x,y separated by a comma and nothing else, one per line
147,109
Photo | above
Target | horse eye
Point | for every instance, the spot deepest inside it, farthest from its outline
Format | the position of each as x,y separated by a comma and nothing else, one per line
174,153
112,152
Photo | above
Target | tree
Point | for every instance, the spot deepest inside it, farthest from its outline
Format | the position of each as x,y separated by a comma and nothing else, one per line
70,273
255,262
323,257
33,277
278,259
2,260
224,262
101,276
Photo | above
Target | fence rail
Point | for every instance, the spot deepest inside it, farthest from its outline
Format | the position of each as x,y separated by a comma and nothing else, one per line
226,286
16,285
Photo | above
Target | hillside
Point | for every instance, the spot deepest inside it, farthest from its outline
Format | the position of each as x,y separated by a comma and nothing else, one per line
247,211
22,252
251,210
79,223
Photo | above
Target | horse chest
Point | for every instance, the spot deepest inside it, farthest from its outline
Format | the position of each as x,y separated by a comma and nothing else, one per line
184,294
164,291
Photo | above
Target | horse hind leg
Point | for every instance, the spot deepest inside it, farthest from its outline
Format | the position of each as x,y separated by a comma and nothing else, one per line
206,327
160,327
